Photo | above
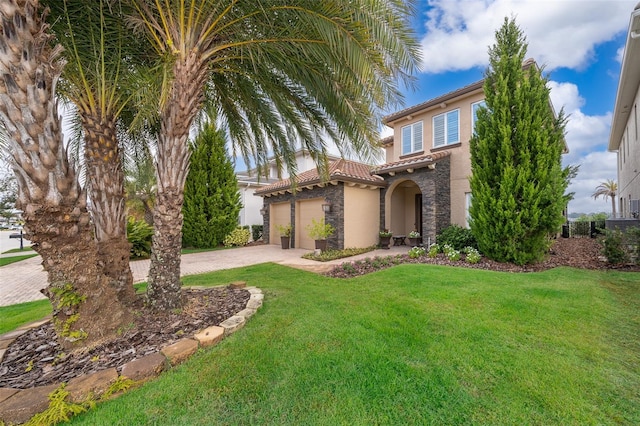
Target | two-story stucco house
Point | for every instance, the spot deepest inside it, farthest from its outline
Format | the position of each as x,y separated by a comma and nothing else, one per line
624,138
422,186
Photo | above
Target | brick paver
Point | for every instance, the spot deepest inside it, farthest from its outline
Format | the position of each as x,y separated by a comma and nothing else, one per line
22,281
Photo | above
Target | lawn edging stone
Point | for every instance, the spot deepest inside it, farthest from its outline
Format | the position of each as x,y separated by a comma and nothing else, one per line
19,405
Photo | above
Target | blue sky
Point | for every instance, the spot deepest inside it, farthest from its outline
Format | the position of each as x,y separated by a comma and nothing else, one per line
579,42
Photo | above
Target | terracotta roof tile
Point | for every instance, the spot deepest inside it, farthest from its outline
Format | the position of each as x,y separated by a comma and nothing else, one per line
410,163
340,170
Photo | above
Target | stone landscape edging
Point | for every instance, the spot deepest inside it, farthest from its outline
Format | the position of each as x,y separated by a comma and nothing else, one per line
19,405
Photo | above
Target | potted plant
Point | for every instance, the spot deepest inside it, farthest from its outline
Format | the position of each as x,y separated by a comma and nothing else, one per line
319,231
285,235
414,238
385,238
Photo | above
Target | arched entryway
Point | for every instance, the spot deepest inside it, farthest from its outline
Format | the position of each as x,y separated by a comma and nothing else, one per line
403,208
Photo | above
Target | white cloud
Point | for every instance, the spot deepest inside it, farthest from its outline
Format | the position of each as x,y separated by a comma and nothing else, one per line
620,54
585,133
587,137
595,168
560,33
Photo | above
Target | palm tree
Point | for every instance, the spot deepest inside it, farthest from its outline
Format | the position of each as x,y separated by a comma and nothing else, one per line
277,72
102,57
607,190
53,202
140,185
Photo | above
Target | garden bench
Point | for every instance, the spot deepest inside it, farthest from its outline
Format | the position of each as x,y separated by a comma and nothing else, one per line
398,240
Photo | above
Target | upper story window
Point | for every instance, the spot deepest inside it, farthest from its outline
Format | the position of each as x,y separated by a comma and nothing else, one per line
474,113
446,128
412,138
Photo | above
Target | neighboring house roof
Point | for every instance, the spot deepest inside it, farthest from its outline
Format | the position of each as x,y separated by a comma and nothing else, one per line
411,164
339,171
247,179
628,83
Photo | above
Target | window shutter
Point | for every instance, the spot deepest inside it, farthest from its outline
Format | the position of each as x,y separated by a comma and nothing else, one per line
452,127
406,139
417,136
438,130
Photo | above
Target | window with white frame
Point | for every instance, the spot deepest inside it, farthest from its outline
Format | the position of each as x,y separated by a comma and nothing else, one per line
446,128
412,138
474,113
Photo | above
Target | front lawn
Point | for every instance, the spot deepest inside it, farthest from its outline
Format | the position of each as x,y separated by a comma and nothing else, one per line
413,344
12,317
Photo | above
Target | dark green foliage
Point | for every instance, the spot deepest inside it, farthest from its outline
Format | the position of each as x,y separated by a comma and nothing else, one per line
622,247
139,234
633,238
211,199
613,247
256,232
518,183
457,237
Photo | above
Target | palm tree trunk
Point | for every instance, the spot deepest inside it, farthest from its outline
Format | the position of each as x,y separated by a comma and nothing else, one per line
613,205
85,307
172,167
106,192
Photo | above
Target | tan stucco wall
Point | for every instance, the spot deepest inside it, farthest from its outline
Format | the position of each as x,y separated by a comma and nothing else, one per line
460,153
280,215
629,161
306,211
361,216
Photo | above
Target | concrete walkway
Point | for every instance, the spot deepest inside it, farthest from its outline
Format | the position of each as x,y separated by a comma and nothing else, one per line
22,281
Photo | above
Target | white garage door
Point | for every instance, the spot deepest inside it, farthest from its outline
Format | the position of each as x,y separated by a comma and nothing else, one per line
280,215
305,211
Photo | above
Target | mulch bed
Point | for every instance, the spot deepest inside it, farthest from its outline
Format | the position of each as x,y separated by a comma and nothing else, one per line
583,253
36,358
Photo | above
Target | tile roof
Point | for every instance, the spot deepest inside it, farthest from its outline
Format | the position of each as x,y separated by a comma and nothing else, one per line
433,102
446,97
410,163
387,141
340,170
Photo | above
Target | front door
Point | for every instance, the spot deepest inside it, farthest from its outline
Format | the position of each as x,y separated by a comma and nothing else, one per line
418,213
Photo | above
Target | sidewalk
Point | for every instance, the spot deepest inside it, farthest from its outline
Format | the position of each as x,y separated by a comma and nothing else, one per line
22,281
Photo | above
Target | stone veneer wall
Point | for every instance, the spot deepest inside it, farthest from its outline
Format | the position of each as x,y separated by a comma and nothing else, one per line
332,193
435,186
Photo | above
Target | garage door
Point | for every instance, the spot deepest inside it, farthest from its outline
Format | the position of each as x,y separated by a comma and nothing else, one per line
305,211
280,215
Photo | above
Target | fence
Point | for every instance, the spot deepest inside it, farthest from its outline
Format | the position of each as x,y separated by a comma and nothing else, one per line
583,229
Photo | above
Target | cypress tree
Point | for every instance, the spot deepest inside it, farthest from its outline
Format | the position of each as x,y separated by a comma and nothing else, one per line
211,199
518,183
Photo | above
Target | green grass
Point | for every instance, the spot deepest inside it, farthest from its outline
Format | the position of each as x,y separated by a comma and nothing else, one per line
12,317
13,259
17,250
414,344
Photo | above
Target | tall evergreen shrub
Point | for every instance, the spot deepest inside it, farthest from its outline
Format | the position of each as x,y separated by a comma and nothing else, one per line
211,198
518,183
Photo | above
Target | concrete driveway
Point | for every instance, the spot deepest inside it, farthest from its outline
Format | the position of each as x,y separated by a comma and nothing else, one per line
22,281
